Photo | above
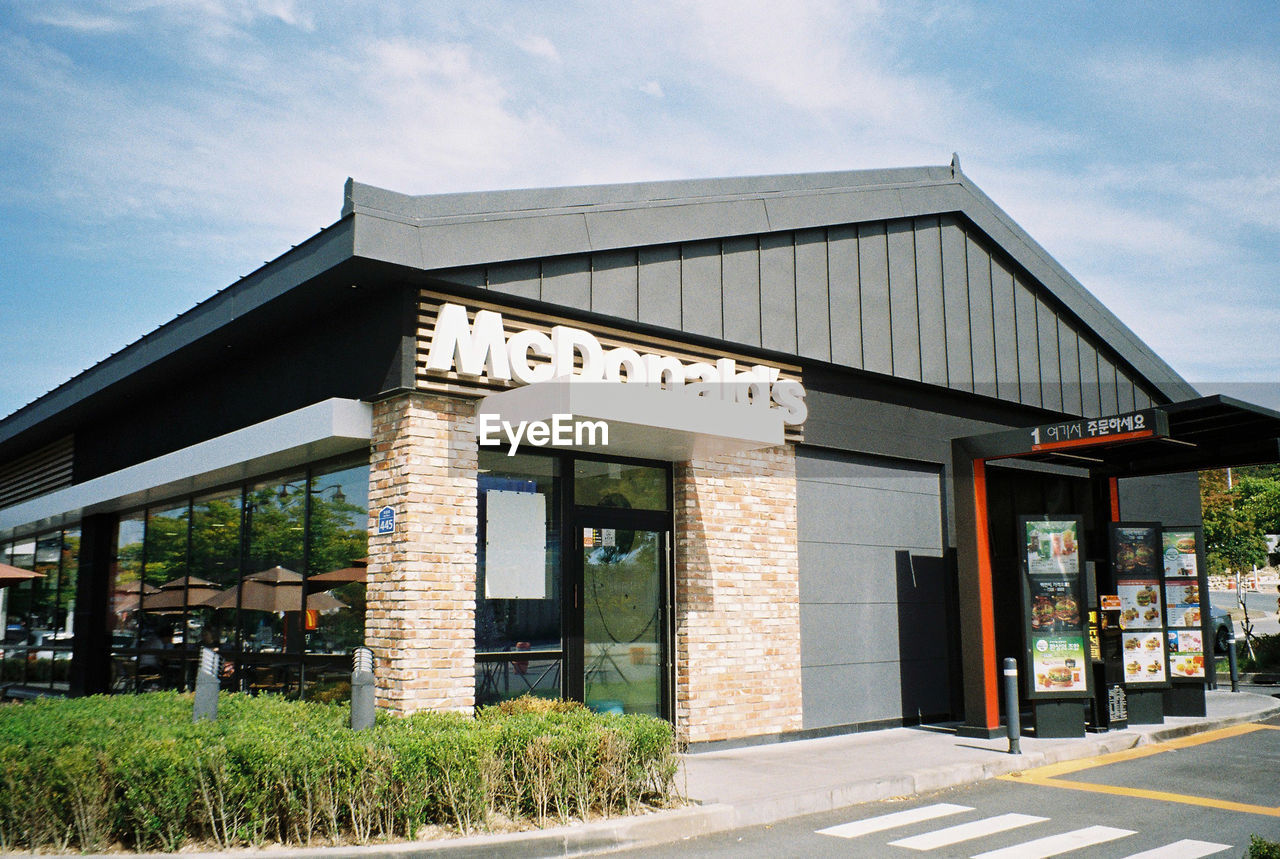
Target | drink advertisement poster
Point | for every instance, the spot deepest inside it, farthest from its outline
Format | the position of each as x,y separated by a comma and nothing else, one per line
1137,559
1052,547
1053,600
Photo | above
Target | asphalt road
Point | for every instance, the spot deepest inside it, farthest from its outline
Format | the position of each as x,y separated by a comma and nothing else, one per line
1200,796
1262,609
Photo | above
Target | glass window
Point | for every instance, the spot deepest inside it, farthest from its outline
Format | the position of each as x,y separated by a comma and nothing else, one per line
617,484
68,580
337,556
270,598
215,571
162,620
125,588
230,570
507,628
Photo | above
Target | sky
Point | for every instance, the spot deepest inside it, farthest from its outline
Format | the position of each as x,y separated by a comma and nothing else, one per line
154,151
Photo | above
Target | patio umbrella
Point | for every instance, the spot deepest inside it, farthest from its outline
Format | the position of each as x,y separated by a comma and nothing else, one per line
276,589
176,593
322,581
15,575
125,598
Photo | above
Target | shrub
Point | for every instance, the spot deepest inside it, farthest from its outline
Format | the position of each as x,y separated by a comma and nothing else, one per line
1261,848
1267,650
83,774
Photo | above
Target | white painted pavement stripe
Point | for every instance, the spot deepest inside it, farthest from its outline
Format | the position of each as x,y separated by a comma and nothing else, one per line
1055,844
889,821
1185,849
967,831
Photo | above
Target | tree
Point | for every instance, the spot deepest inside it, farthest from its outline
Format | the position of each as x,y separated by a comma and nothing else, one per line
1233,533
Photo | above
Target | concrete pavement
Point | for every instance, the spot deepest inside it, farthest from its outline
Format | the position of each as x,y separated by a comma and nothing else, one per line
760,784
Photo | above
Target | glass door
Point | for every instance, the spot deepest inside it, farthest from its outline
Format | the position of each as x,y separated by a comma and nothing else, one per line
622,599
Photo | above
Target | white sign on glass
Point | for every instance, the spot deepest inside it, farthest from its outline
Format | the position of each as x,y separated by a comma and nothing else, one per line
515,546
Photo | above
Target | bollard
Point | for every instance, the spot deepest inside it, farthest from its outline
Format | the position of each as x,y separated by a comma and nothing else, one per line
1012,717
1231,661
207,683
362,709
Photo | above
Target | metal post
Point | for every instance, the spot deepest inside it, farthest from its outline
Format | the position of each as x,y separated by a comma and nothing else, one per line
1231,660
1013,718
362,705
206,703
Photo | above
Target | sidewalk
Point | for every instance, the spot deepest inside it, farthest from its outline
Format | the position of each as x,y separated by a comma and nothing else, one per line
761,784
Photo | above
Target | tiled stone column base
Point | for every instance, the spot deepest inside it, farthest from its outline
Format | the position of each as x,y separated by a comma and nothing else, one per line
737,596
420,620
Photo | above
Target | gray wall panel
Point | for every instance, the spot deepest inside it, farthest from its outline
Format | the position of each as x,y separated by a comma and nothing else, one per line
1107,387
700,298
614,290
517,278
838,633
778,292
873,589
1005,327
813,325
873,285
933,330
830,567
1050,374
1170,498
1089,379
1069,362
742,290
567,281
845,304
476,276
659,286
981,326
837,694
1140,398
955,296
1124,387
904,314
1024,305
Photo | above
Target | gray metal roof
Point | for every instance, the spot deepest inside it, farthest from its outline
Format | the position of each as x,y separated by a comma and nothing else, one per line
446,231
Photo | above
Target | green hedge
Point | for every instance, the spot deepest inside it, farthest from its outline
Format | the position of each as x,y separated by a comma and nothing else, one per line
1267,650
87,773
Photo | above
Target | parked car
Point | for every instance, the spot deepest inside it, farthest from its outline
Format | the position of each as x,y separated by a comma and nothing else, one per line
1221,628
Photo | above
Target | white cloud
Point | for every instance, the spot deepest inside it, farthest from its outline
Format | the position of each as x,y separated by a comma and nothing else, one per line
652,88
539,46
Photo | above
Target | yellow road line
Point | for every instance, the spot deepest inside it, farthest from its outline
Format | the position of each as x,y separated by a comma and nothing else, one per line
1049,776
1161,795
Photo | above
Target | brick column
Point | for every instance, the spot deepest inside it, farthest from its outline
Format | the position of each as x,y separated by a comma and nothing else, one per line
420,620
737,596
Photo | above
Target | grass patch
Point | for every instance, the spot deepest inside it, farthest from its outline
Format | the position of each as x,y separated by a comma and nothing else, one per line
132,770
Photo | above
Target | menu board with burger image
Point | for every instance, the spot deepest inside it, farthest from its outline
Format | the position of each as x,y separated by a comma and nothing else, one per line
1138,561
1052,589
1183,606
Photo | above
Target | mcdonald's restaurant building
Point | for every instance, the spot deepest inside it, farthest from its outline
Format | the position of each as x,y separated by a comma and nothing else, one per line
683,448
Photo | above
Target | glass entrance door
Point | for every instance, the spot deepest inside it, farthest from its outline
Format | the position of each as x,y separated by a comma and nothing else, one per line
622,604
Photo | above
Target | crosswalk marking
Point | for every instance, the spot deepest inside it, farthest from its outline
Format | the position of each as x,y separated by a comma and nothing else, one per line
967,831
1185,849
1055,844
889,821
